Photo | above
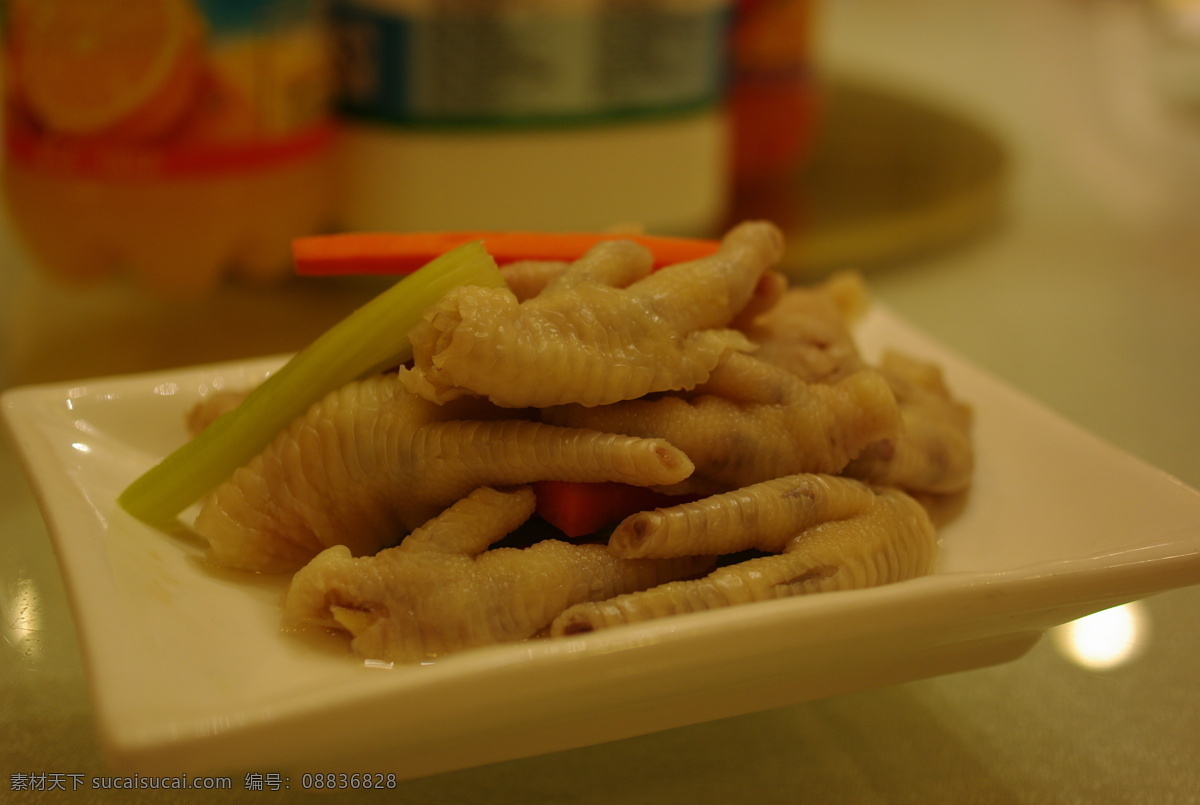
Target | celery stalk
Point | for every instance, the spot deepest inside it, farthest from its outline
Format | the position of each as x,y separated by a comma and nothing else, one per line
369,340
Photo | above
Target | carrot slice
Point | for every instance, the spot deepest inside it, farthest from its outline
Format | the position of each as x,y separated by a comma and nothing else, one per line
578,509
404,252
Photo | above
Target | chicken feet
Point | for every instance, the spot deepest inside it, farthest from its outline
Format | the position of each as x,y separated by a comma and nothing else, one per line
605,329
753,421
440,590
933,451
370,462
807,330
827,533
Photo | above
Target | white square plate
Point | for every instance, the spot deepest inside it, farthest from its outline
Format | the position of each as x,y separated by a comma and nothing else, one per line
191,672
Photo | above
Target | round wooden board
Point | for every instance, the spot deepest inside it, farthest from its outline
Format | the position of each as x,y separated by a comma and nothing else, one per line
890,178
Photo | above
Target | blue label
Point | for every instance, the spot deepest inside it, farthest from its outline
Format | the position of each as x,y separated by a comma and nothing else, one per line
512,66
236,16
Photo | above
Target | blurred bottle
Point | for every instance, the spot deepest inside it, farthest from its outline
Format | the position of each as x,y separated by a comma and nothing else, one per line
176,141
518,115
773,95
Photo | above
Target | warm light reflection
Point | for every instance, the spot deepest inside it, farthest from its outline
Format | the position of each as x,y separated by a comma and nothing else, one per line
1105,639
377,664
1183,16
24,622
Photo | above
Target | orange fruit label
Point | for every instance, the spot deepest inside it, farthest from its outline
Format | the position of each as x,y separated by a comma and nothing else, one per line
132,89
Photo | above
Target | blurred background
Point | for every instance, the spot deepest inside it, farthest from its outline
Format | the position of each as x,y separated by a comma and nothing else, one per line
1019,178
876,134
157,173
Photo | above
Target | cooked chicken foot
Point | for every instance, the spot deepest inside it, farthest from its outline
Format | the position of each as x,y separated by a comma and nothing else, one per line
371,462
933,450
807,332
212,408
470,525
753,421
528,278
439,591
606,329
764,516
834,534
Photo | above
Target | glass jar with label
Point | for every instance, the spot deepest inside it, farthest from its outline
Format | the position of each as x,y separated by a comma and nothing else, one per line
177,142
520,114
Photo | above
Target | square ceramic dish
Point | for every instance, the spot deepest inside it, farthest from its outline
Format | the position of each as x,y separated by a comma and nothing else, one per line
190,670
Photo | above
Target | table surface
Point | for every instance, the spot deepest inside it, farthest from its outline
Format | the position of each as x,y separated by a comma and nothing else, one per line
1085,294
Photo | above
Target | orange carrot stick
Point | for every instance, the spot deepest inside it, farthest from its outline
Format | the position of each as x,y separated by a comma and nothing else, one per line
578,509
403,253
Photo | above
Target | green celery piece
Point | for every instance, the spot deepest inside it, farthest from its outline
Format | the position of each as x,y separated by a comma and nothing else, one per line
369,340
